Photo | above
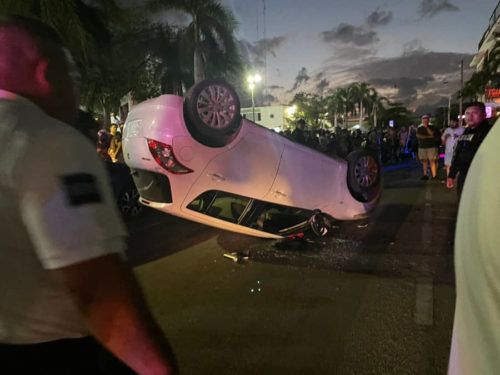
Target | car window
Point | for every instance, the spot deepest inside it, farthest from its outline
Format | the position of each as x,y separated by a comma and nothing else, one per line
274,218
221,205
267,217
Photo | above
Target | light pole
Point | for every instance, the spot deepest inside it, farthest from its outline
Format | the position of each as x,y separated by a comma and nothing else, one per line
461,92
449,109
252,80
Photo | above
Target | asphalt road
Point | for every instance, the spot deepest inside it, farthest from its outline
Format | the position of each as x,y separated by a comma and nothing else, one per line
373,297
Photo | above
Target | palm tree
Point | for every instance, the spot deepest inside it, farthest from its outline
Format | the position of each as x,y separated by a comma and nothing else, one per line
360,92
209,35
376,103
336,100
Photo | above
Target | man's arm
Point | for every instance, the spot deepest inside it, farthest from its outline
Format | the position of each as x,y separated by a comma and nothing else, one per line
110,300
421,135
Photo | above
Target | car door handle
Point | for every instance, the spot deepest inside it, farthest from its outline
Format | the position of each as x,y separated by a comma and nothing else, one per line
217,177
279,193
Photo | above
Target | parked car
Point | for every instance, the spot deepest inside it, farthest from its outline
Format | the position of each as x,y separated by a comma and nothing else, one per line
124,190
198,159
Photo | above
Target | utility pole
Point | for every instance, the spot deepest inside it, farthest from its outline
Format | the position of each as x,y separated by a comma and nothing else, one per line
449,109
461,92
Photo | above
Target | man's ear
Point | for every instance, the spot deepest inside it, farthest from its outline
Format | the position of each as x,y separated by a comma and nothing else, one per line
41,76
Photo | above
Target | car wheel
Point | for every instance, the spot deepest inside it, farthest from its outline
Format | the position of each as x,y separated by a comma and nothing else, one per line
363,175
212,110
320,224
128,203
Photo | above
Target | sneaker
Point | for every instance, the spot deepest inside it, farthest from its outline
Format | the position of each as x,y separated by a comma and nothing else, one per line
424,178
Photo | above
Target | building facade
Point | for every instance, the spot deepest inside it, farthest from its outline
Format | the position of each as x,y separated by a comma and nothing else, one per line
486,59
272,117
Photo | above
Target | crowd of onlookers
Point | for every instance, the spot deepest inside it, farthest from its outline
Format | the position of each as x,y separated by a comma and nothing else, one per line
393,145
109,143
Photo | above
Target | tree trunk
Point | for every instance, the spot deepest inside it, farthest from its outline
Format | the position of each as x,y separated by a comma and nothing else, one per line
199,73
360,112
198,66
106,114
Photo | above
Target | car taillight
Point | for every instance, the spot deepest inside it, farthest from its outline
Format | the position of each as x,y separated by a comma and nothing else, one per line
164,156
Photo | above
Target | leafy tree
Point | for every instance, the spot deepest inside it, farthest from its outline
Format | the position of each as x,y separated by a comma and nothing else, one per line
310,107
398,113
83,25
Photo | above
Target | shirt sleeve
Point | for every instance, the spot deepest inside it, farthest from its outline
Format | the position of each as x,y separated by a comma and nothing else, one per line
65,199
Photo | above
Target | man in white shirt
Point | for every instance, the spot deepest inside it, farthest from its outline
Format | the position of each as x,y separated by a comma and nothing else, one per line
475,347
65,292
449,139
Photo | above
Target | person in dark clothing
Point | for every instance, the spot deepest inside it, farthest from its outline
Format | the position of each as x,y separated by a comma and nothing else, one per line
298,134
427,147
467,144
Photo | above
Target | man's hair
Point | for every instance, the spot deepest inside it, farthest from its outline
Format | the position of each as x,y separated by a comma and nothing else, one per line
480,105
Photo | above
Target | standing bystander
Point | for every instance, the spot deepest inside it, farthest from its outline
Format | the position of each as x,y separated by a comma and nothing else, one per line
475,346
467,144
449,139
427,148
68,302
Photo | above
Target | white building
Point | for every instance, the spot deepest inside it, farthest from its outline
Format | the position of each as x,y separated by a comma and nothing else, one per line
272,117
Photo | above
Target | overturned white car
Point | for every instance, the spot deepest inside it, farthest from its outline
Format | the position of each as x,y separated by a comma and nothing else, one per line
197,158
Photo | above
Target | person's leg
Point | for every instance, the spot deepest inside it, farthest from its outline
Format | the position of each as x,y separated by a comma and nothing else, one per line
433,163
425,165
422,156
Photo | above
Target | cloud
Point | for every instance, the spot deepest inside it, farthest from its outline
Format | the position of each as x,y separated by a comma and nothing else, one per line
256,52
429,8
350,34
415,79
405,87
413,47
268,98
302,77
379,18
322,85
269,45
348,54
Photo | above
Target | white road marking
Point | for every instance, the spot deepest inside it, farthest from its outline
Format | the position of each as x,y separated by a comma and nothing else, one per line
424,305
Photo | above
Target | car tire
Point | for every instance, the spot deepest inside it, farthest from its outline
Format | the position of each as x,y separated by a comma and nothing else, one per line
128,202
212,111
363,175
320,223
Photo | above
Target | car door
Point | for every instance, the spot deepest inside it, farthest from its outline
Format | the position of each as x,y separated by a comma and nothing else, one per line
249,168
301,180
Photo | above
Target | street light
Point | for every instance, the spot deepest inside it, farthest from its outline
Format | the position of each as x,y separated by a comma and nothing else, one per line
252,80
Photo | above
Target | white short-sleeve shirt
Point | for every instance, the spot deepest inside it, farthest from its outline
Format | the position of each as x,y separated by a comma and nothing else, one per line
450,136
475,345
57,210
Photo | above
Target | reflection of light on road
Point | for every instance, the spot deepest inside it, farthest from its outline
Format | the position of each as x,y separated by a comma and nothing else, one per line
257,289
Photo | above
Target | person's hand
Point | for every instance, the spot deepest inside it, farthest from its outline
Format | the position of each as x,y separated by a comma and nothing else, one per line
450,183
